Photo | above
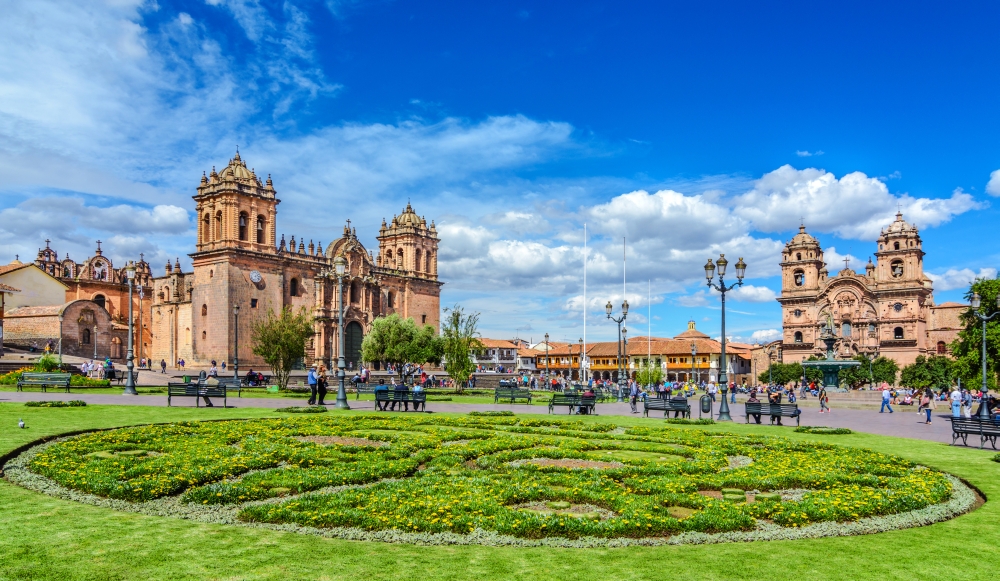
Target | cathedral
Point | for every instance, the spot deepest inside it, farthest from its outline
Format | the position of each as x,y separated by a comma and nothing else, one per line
888,310
240,262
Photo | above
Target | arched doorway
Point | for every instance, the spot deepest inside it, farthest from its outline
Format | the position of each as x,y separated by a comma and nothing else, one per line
353,335
100,300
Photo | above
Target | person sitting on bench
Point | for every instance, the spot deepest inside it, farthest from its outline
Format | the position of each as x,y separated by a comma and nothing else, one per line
583,409
753,399
203,379
679,398
399,388
774,397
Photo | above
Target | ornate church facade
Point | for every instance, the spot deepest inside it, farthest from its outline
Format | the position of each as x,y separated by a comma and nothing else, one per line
888,310
240,261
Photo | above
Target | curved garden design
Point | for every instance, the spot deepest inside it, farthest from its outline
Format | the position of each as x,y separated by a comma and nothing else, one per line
510,477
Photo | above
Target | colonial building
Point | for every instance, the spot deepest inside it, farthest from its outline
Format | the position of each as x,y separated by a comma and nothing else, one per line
97,279
888,310
240,261
79,327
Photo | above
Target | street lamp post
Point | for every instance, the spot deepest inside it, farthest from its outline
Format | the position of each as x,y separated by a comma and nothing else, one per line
770,355
741,268
582,380
95,342
129,363
608,308
984,412
546,361
694,351
236,341
340,266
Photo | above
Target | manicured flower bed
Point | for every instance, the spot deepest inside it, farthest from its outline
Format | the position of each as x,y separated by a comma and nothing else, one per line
313,409
76,403
822,430
518,477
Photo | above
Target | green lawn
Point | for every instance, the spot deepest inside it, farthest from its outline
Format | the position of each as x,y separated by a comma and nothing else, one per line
46,538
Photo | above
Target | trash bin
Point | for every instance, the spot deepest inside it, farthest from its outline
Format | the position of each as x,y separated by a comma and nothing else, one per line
706,406
186,379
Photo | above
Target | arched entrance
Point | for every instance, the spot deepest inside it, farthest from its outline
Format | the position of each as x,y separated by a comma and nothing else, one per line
353,335
100,300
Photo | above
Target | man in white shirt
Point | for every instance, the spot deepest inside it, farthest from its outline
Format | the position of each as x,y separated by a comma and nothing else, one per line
956,402
886,399
711,391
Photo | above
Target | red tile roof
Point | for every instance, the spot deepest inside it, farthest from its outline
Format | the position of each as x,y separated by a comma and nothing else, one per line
496,343
8,289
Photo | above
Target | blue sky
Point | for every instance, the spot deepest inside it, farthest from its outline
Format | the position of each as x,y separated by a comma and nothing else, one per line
689,128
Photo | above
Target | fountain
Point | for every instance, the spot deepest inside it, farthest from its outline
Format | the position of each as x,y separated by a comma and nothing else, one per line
830,366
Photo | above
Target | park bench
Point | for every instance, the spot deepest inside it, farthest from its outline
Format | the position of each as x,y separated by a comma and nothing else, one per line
511,393
680,406
196,391
774,410
363,388
987,431
121,375
385,398
43,380
586,403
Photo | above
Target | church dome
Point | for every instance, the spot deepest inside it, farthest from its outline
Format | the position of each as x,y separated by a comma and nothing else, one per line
899,225
237,169
407,218
803,237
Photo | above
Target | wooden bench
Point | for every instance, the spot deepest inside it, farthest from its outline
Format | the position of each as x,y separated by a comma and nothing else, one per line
363,388
774,410
987,431
196,391
511,393
385,398
121,375
43,380
586,403
678,406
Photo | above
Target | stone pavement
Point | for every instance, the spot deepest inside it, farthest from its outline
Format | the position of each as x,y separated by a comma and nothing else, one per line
904,423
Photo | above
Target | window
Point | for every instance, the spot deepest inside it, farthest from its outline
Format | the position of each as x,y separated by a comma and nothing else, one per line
423,321
399,257
85,337
206,229
798,336
355,294
798,256
66,273
896,268
798,312
204,310
260,229
799,277
390,300
871,329
942,349
211,274
100,300
253,303
243,226
416,259
204,335
293,287
218,225
895,245
897,333
845,329
427,261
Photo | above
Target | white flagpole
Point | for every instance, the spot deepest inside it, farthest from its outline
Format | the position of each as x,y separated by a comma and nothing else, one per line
583,356
649,319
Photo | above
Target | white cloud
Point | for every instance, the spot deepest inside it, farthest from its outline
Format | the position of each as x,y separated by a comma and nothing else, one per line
854,206
835,260
993,186
955,278
765,335
802,153
749,293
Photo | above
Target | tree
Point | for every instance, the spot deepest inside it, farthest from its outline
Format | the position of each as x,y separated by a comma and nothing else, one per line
881,369
280,340
934,372
967,347
460,338
781,373
396,340
649,374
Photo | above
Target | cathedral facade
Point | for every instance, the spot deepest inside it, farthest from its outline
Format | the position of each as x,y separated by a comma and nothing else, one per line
888,310
240,261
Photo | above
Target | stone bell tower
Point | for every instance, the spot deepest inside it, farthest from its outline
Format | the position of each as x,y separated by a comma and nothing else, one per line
900,255
236,210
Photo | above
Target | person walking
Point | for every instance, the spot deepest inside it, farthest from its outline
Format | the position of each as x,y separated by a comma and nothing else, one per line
311,380
711,391
321,383
886,400
956,402
824,400
966,404
927,404
213,371
163,365
633,395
